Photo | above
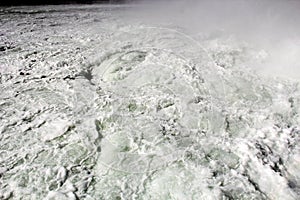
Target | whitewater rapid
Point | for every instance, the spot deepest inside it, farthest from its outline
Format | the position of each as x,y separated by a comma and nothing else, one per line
94,106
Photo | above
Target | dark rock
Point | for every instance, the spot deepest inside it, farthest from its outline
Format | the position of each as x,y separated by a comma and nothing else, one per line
2,48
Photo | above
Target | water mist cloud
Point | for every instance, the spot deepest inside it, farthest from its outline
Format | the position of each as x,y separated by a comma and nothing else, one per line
270,26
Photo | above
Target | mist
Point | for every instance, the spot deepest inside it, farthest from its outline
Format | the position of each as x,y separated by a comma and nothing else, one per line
270,27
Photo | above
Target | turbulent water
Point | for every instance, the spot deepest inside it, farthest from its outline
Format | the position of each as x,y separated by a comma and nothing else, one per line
94,106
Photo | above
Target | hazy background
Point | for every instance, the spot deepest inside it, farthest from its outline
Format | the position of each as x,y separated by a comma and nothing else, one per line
272,26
